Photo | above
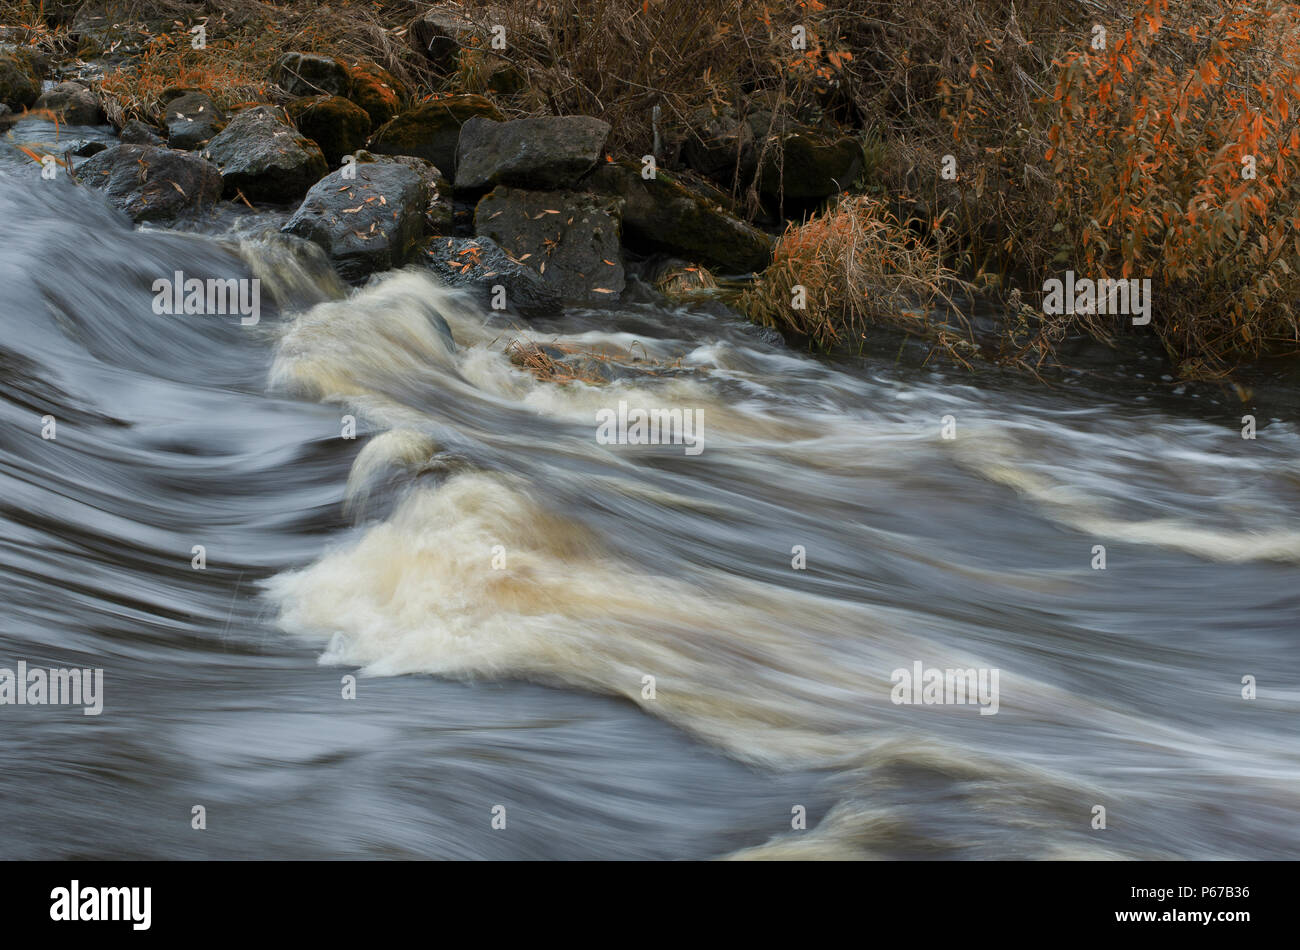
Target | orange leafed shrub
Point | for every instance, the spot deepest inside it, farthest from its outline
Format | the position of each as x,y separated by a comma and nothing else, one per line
1177,153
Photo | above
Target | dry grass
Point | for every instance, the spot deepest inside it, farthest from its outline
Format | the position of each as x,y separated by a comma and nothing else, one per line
858,267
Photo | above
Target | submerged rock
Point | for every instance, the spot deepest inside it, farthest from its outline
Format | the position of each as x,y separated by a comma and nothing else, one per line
150,183
546,152
73,103
265,158
432,129
662,214
370,222
192,120
480,266
570,238
337,125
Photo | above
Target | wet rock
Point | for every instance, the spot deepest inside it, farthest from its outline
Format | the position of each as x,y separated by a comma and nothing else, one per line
73,103
377,91
192,119
150,183
662,214
265,158
546,152
811,166
479,265
338,126
83,148
310,74
570,238
135,132
432,129
20,86
370,222
439,213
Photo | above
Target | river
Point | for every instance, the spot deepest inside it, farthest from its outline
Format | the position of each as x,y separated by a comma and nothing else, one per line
501,583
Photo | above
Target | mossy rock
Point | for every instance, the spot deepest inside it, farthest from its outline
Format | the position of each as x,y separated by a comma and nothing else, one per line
337,125
431,130
377,91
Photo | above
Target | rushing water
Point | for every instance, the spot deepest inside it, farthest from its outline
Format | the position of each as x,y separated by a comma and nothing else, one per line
482,684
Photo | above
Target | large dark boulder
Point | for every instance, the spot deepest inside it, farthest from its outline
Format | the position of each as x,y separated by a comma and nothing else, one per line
662,214
150,183
432,129
811,165
265,158
73,103
369,222
570,238
192,119
337,125
20,86
377,91
478,265
545,152
310,74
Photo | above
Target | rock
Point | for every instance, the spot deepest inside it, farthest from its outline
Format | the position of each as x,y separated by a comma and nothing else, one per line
439,214
6,117
547,152
309,74
440,34
20,86
370,222
814,166
84,148
150,183
446,29
192,119
480,265
377,91
719,144
570,238
662,214
338,126
432,129
265,158
73,103
135,132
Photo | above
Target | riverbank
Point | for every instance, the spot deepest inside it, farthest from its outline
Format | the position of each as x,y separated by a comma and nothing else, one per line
826,169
